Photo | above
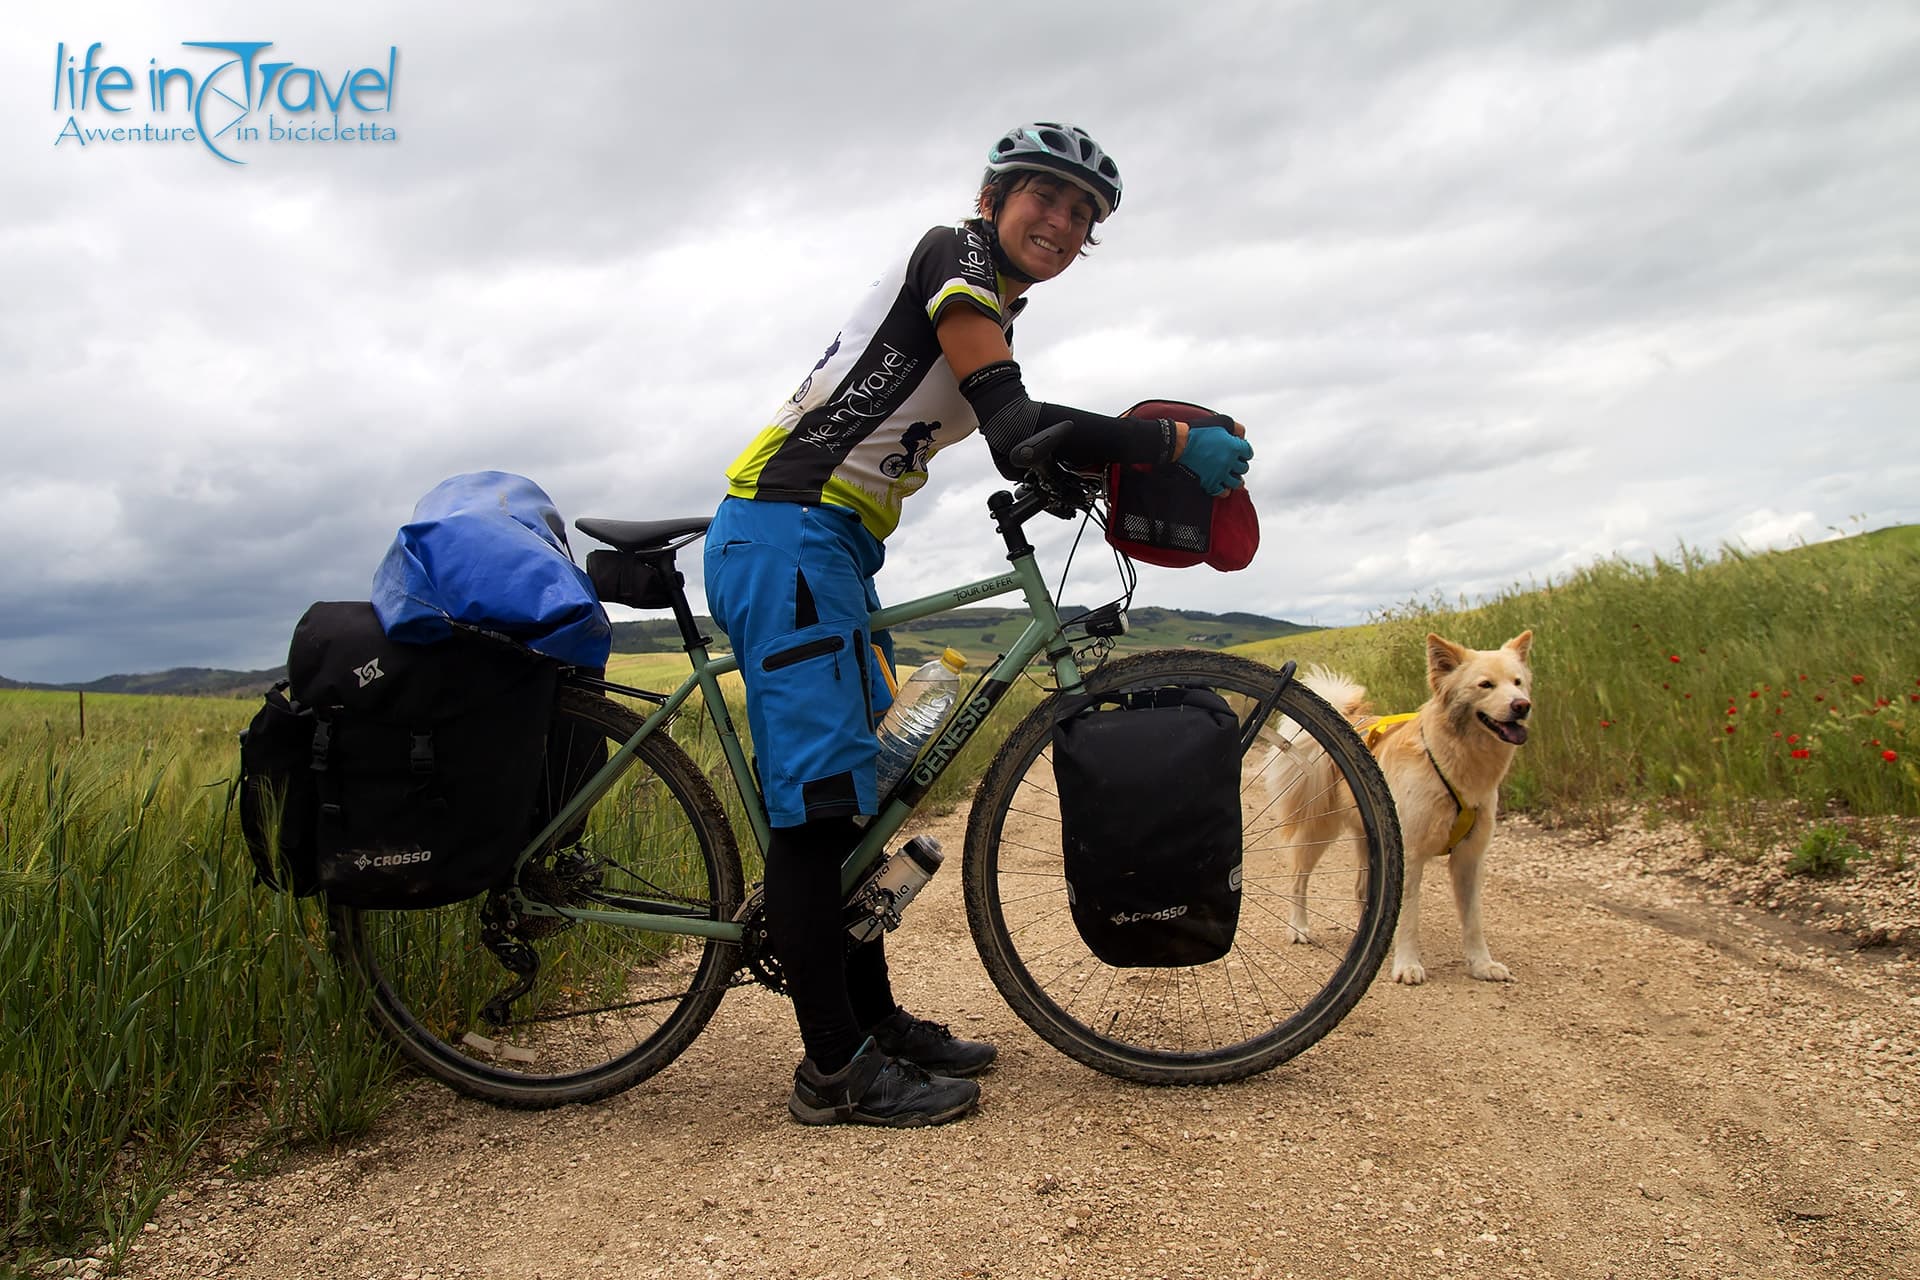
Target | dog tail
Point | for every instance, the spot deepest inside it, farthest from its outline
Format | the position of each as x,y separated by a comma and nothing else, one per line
1348,696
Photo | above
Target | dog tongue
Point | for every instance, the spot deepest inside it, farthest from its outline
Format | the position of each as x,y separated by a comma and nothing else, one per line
1513,732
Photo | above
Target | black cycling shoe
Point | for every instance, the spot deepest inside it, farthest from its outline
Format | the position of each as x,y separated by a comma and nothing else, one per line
930,1046
877,1089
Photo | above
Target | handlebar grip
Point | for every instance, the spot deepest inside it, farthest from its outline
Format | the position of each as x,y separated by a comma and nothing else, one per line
1037,449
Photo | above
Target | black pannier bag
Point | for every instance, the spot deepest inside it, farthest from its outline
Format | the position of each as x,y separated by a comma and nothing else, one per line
1149,788
280,794
429,758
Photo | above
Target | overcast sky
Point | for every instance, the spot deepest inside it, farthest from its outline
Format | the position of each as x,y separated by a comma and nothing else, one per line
1499,288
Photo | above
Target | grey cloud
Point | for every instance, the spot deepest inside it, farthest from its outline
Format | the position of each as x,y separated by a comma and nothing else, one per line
1426,252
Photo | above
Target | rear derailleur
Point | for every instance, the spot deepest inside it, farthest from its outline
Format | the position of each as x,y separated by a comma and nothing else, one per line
570,877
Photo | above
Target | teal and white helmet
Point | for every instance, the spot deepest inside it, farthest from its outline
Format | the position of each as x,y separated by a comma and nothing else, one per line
1064,150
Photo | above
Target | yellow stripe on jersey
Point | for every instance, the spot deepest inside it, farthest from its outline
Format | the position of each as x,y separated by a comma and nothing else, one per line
743,481
880,518
743,477
986,299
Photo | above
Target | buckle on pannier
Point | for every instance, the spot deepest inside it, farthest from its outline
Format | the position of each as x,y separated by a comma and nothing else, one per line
420,759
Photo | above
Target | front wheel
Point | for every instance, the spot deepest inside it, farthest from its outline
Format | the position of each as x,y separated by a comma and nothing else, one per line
1320,890
604,1006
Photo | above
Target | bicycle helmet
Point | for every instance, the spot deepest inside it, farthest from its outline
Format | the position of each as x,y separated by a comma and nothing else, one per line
1064,150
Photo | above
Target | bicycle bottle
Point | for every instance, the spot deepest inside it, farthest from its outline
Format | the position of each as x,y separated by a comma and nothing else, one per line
876,905
923,702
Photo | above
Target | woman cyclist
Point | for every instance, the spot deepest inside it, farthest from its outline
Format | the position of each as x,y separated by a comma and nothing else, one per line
923,361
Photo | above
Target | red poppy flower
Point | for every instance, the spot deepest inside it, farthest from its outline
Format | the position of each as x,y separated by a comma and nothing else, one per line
1733,711
1606,724
1859,679
1881,702
1889,756
1786,693
1674,657
1754,694
1800,753
1793,737
1729,728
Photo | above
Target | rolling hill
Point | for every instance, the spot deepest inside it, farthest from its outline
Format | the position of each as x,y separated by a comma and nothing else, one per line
978,633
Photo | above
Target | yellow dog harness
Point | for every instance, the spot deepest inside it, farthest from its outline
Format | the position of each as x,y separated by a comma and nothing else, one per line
1464,816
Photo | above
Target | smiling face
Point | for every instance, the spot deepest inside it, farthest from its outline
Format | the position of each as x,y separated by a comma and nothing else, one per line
1043,224
1484,690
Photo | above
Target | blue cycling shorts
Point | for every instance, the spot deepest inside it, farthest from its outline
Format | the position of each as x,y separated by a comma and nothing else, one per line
792,586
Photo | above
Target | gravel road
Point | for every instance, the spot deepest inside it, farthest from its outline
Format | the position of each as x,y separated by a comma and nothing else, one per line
1676,1085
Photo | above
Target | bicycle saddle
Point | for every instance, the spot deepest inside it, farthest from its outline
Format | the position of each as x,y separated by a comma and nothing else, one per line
633,536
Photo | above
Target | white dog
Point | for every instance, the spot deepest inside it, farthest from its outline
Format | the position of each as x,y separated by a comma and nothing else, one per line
1444,765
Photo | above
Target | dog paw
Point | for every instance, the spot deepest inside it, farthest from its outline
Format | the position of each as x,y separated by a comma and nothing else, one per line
1489,971
1411,972
1297,933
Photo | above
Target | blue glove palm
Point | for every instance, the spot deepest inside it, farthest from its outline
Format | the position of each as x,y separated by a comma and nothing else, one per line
1216,457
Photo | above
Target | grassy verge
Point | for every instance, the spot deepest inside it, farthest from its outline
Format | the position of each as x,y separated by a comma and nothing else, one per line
150,993
1752,694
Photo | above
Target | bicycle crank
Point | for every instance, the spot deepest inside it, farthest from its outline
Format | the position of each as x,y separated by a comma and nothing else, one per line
756,942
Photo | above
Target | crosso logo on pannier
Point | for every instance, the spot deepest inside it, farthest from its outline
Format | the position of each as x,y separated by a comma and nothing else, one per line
369,673
1135,917
393,859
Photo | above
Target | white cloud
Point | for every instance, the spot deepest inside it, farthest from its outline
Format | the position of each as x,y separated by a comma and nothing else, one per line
1499,287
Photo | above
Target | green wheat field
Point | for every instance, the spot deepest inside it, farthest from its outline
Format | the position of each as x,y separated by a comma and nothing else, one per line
159,1007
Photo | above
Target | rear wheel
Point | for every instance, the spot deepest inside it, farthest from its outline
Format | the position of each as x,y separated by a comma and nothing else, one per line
605,1006
1306,945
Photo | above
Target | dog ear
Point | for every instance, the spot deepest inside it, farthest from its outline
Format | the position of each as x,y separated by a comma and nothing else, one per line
1521,645
1443,656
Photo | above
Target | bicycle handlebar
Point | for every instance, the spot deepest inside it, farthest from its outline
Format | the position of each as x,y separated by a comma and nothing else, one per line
1049,486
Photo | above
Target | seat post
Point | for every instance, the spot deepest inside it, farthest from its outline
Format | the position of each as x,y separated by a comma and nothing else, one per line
690,633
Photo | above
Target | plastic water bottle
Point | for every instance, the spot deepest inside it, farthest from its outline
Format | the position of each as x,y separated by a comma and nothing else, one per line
923,702
892,887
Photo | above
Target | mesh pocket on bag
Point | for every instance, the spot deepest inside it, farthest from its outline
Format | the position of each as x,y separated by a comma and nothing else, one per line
1162,506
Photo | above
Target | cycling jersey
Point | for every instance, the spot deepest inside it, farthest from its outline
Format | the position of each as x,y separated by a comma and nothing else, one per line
860,431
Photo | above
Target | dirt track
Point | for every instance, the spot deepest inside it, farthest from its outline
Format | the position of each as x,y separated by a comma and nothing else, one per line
1673,1087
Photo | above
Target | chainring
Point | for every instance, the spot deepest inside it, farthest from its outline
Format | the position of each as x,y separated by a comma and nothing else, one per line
756,942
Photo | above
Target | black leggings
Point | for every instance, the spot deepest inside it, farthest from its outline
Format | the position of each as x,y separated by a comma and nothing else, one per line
838,995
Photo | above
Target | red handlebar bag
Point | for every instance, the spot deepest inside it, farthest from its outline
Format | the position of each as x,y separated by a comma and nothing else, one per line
1157,512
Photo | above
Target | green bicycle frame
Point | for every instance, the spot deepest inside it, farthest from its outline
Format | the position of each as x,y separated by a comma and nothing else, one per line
1042,634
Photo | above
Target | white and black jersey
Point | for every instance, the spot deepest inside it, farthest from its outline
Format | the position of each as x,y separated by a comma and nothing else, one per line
861,429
